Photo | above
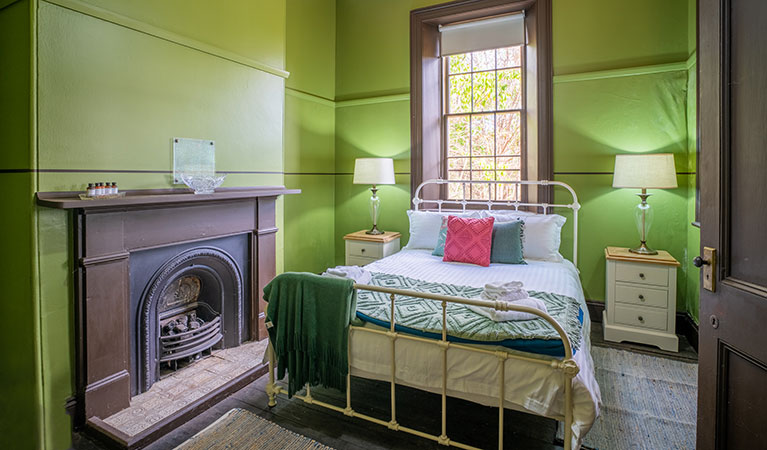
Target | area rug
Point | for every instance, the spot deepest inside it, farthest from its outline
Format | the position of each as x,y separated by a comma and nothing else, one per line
648,402
241,429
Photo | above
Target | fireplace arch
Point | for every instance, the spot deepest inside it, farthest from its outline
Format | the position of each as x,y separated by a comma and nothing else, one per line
218,300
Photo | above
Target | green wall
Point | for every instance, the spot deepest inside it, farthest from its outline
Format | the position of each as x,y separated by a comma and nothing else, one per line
620,86
309,135
693,232
20,413
116,81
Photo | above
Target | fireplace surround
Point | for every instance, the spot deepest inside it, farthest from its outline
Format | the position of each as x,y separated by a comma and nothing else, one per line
213,255
169,285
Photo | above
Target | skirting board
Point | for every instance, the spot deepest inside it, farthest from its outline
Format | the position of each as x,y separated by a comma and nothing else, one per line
685,325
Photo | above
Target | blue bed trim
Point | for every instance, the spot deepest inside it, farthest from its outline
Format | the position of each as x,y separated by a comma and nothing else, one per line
550,347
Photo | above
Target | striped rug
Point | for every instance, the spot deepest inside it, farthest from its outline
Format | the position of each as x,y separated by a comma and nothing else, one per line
241,429
648,402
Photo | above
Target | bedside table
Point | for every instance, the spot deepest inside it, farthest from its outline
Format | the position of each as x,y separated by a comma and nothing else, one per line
641,298
364,248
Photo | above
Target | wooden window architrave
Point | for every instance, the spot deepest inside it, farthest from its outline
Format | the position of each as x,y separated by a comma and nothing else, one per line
426,87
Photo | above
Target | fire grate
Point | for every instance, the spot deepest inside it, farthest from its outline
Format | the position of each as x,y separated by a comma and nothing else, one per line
189,333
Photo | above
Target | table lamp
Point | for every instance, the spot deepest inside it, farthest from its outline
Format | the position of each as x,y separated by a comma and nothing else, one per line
645,171
374,171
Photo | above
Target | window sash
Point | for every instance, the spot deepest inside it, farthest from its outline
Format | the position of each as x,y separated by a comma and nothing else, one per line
521,190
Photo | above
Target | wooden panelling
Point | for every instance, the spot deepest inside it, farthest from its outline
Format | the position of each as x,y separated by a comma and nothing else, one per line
187,223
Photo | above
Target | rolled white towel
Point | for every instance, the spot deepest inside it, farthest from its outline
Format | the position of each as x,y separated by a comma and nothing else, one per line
503,316
507,292
356,273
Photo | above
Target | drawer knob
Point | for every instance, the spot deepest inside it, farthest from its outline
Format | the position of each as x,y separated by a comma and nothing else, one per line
641,275
362,250
641,319
641,297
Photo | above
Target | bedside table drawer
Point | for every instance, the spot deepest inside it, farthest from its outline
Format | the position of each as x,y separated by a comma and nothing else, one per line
365,249
641,273
359,260
641,317
643,296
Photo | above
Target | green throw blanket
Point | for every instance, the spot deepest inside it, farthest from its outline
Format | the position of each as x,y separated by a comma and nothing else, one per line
308,321
464,325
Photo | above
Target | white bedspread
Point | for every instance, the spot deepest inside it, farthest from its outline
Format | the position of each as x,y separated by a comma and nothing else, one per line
530,387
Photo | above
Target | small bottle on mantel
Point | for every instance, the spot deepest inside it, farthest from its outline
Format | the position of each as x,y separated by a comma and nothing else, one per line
107,188
114,188
99,189
91,191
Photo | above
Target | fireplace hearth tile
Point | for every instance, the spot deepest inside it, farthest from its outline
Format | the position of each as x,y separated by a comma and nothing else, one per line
171,394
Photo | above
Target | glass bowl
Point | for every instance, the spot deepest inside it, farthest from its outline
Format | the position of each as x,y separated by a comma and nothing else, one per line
203,184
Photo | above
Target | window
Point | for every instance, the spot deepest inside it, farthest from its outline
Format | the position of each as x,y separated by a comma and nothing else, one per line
481,115
484,104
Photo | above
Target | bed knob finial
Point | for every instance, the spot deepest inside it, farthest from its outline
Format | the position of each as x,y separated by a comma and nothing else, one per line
569,367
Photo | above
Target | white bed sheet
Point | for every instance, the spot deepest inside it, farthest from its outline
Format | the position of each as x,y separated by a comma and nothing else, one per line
530,387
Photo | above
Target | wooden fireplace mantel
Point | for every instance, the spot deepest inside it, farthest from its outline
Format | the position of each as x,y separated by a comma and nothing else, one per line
157,197
105,233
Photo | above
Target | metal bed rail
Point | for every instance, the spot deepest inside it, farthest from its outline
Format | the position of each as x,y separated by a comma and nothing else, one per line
418,201
567,366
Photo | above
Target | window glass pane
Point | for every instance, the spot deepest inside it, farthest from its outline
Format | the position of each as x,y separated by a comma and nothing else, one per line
509,134
509,175
509,89
508,163
460,93
455,191
480,191
509,57
484,60
458,164
459,63
483,164
484,91
482,134
458,175
506,192
457,136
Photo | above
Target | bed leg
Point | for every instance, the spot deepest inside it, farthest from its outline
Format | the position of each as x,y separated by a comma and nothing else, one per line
570,371
501,395
270,388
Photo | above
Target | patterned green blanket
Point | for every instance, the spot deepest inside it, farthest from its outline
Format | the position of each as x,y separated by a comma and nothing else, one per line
422,316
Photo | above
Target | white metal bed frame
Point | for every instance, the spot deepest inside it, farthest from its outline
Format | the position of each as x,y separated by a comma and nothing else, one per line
567,365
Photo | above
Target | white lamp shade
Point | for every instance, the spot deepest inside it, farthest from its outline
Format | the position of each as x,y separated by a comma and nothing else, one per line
373,171
645,171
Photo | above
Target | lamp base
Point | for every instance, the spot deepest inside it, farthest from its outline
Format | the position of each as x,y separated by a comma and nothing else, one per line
374,231
643,249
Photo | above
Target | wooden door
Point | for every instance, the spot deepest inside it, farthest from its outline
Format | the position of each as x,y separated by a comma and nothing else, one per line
732,74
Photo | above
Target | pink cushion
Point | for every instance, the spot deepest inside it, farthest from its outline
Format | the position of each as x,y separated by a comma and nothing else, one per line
469,240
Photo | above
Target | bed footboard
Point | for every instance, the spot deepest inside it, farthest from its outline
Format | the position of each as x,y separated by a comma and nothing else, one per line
566,366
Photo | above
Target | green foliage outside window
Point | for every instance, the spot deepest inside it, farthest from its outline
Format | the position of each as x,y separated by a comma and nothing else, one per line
484,126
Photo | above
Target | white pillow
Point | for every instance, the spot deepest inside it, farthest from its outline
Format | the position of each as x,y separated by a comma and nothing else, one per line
424,227
542,234
504,213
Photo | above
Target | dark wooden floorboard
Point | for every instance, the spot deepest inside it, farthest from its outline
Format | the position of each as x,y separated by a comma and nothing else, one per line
467,422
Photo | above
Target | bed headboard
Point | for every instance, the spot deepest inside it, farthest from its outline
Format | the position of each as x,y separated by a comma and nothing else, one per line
489,204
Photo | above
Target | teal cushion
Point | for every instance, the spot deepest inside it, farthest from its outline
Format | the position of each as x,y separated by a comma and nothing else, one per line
507,243
439,250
